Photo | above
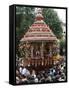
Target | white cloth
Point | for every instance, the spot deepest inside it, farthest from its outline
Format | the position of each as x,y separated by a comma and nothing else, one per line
24,71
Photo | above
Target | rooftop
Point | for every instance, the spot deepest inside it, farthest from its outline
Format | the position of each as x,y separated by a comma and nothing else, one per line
39,30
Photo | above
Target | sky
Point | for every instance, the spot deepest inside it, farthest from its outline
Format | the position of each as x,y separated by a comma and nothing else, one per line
62,14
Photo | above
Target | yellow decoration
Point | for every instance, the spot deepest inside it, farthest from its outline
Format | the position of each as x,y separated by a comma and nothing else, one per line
56,57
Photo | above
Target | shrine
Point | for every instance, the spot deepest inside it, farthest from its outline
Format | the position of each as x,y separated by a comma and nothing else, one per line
40,43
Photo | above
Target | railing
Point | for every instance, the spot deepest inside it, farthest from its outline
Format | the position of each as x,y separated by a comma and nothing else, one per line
40,62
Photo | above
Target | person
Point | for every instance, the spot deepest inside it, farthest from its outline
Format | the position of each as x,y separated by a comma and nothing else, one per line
24,71
17,80
17,77
33,73
24,79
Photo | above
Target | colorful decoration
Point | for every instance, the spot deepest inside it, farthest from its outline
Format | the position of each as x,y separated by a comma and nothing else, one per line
39,30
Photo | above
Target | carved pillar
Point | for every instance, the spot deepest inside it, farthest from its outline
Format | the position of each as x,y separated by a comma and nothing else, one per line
26,51
50,50
32,48
42,46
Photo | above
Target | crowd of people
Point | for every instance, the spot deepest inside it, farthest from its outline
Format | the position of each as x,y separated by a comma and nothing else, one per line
55,74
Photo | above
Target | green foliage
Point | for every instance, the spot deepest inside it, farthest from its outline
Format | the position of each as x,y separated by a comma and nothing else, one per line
24,18
52,19
62,43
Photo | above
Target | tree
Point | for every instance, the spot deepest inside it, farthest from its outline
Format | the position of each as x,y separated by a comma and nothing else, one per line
52,19
24,18
62,46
